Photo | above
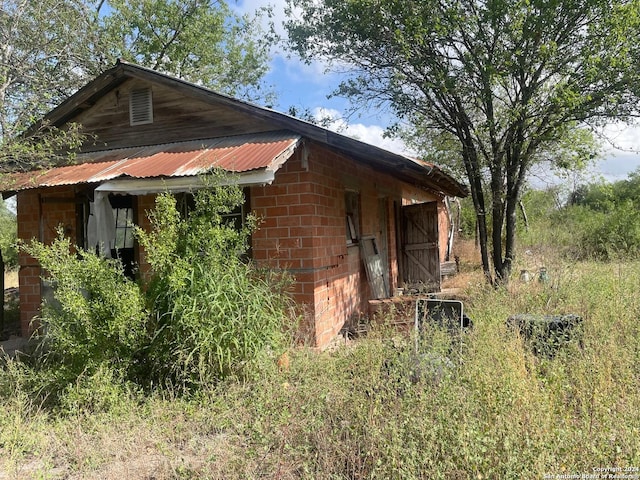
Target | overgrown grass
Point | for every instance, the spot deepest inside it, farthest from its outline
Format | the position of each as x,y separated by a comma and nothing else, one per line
375,408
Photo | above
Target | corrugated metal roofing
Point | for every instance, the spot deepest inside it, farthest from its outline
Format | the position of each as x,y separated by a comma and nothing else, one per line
238,154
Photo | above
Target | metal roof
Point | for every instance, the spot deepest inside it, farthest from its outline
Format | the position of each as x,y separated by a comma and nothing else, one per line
237,154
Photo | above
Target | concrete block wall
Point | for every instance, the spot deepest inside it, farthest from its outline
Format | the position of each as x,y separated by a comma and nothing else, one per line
303,231
40,213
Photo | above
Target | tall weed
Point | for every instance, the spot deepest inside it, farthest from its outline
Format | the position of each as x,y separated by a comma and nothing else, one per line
481,406
214,314
205,314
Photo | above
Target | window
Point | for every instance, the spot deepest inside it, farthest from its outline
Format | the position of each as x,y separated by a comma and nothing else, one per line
122,243
352,218
185,203
236,218
140,107
124,227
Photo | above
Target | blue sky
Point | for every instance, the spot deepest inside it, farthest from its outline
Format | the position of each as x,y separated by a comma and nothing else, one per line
307,87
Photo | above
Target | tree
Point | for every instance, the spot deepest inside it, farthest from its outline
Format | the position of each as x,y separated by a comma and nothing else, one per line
507,80
50,48
202,41
44,55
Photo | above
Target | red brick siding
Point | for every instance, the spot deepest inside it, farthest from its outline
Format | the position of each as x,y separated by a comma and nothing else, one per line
302,229
145,204
40,213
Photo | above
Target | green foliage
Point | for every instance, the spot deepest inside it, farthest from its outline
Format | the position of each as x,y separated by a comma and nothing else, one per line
204,315
198,40
214,315
507,82
98,319
598,221
377,408
611,235
46,43
52,47
8,237
497,411
605,219
468,226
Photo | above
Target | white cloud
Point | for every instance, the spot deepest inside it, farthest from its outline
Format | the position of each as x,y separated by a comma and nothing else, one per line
622,137
276,6
294,69
621,151
306,86
372,134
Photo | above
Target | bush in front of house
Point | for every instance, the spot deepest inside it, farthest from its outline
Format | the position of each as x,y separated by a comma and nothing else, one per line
214,314
205,314
8,237
96,321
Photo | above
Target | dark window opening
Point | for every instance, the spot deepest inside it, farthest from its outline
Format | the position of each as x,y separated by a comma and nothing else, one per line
122,245
185,204
352,217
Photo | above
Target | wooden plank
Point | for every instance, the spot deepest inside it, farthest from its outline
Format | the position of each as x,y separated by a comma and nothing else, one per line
176,118
420,244
374,267
448,268
418,226
420,266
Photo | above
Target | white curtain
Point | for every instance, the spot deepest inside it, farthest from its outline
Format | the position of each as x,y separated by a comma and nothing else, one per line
101,230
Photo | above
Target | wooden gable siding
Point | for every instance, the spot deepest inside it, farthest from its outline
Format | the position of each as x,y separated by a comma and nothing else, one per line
176,117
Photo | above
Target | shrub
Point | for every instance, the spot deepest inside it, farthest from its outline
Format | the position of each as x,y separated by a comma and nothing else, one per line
616,234
8,237
205,314
98,318
213,313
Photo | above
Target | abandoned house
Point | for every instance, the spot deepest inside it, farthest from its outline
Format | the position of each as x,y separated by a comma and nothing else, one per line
350,221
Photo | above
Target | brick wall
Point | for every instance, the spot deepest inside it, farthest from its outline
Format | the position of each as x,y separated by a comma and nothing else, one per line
40,213
303,230
145,204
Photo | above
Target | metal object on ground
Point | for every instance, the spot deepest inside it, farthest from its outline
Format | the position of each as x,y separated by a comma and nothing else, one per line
546,334
448,314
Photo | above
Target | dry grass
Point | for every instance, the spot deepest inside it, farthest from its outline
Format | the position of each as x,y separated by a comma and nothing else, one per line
158,439
470,265
495,411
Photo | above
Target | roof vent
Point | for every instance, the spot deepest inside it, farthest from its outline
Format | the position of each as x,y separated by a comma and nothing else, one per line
140,107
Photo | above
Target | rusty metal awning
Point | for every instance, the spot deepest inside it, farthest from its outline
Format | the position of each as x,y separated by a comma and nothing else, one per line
241,154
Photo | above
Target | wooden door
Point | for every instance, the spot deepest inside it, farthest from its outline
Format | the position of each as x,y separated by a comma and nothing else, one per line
419,246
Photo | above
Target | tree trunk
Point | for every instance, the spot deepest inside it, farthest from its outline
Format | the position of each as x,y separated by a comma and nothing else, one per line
510,235
477,194
497,221
474,175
